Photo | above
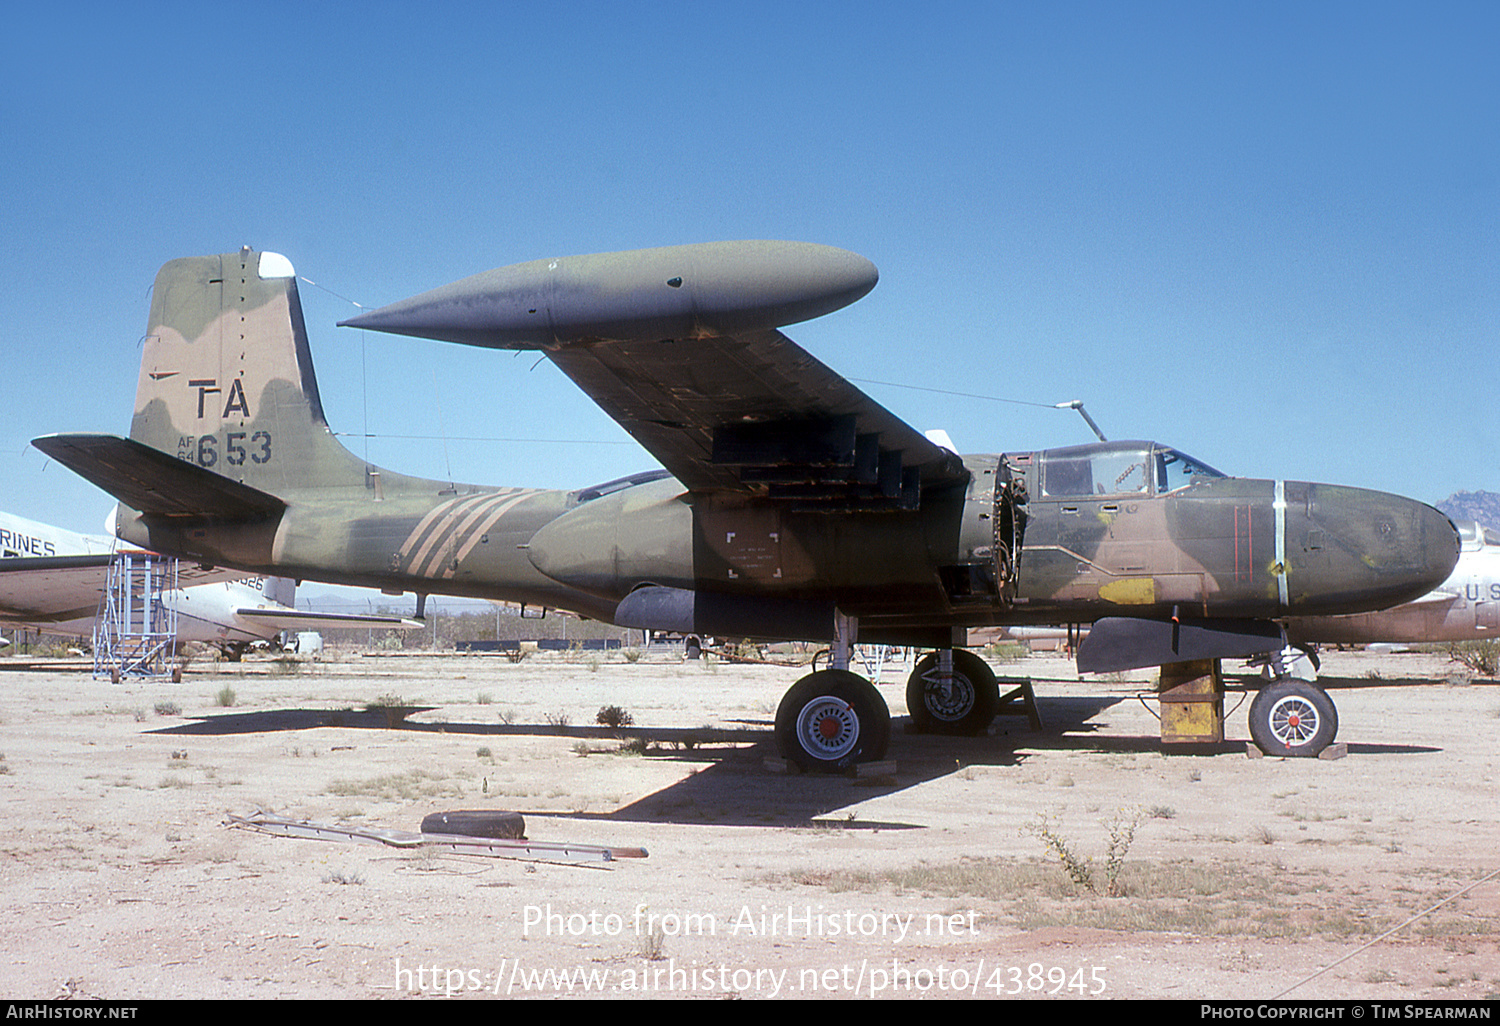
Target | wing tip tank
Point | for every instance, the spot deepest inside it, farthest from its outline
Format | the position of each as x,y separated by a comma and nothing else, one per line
700,289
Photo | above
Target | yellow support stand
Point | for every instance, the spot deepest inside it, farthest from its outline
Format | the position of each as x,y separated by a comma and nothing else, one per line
1192,703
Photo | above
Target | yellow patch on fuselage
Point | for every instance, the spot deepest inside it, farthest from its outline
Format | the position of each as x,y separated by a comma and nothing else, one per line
1130,591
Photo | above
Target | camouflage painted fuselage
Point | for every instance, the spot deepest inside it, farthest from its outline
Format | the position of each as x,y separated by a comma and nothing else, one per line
1214,547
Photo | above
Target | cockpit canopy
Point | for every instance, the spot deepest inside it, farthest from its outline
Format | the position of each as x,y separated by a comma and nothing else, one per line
1119,468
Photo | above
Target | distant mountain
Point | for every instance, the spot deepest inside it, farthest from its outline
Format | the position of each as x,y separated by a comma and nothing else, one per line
1481,506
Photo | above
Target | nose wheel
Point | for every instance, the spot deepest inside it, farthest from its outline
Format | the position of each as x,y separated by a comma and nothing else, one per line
1291,718
830,720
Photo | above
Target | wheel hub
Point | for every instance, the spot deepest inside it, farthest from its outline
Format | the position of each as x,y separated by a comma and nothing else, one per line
949,696
1294,721
828,727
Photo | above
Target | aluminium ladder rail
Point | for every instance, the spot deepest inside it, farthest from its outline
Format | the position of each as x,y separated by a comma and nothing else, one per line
542,851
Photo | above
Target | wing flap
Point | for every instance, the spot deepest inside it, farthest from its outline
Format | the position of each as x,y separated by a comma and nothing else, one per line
155,482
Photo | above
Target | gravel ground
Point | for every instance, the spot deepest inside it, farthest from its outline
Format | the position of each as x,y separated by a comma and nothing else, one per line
1232,877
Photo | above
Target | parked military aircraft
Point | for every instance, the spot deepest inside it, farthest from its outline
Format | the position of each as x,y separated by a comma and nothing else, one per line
54,580
791,506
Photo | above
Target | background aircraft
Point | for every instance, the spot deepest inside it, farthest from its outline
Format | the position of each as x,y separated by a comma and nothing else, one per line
1466,607
54,581
791,506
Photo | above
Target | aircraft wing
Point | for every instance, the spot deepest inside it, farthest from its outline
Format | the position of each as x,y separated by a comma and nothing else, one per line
55,589
756,413
51,589
680,346
299,620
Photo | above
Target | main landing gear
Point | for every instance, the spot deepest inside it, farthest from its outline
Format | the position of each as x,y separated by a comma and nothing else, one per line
952,691
832,719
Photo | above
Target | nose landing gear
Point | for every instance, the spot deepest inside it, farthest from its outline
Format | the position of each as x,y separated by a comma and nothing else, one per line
1293,718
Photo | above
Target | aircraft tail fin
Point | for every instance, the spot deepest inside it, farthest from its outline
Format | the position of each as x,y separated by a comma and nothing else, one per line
281,590
226,381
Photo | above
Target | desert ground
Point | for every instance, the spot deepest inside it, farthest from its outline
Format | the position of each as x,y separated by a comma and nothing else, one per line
1231,877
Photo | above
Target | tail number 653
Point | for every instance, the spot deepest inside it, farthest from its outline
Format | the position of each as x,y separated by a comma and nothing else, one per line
237,446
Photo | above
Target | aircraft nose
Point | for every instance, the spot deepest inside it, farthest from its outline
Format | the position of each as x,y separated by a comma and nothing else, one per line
1365,550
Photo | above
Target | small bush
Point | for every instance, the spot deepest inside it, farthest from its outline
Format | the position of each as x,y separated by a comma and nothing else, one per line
1008,652
168,709
613,716
1481,657
1081,870
225,697
339,876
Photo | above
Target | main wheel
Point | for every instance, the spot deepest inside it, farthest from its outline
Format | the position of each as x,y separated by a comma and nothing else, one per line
830,720
1292,718
963,702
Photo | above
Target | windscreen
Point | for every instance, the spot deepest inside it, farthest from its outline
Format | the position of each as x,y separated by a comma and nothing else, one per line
1176,470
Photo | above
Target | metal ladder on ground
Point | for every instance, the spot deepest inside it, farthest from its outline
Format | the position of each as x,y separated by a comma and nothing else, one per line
135,636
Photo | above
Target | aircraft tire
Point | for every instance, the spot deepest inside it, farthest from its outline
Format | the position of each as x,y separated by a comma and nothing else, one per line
1291,718
477,823
964,705
830,720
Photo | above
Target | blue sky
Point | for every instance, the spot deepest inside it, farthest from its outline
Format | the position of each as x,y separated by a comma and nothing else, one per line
1268,234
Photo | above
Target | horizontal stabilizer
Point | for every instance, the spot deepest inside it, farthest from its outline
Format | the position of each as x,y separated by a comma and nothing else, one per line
1124,643
300,620
155,482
